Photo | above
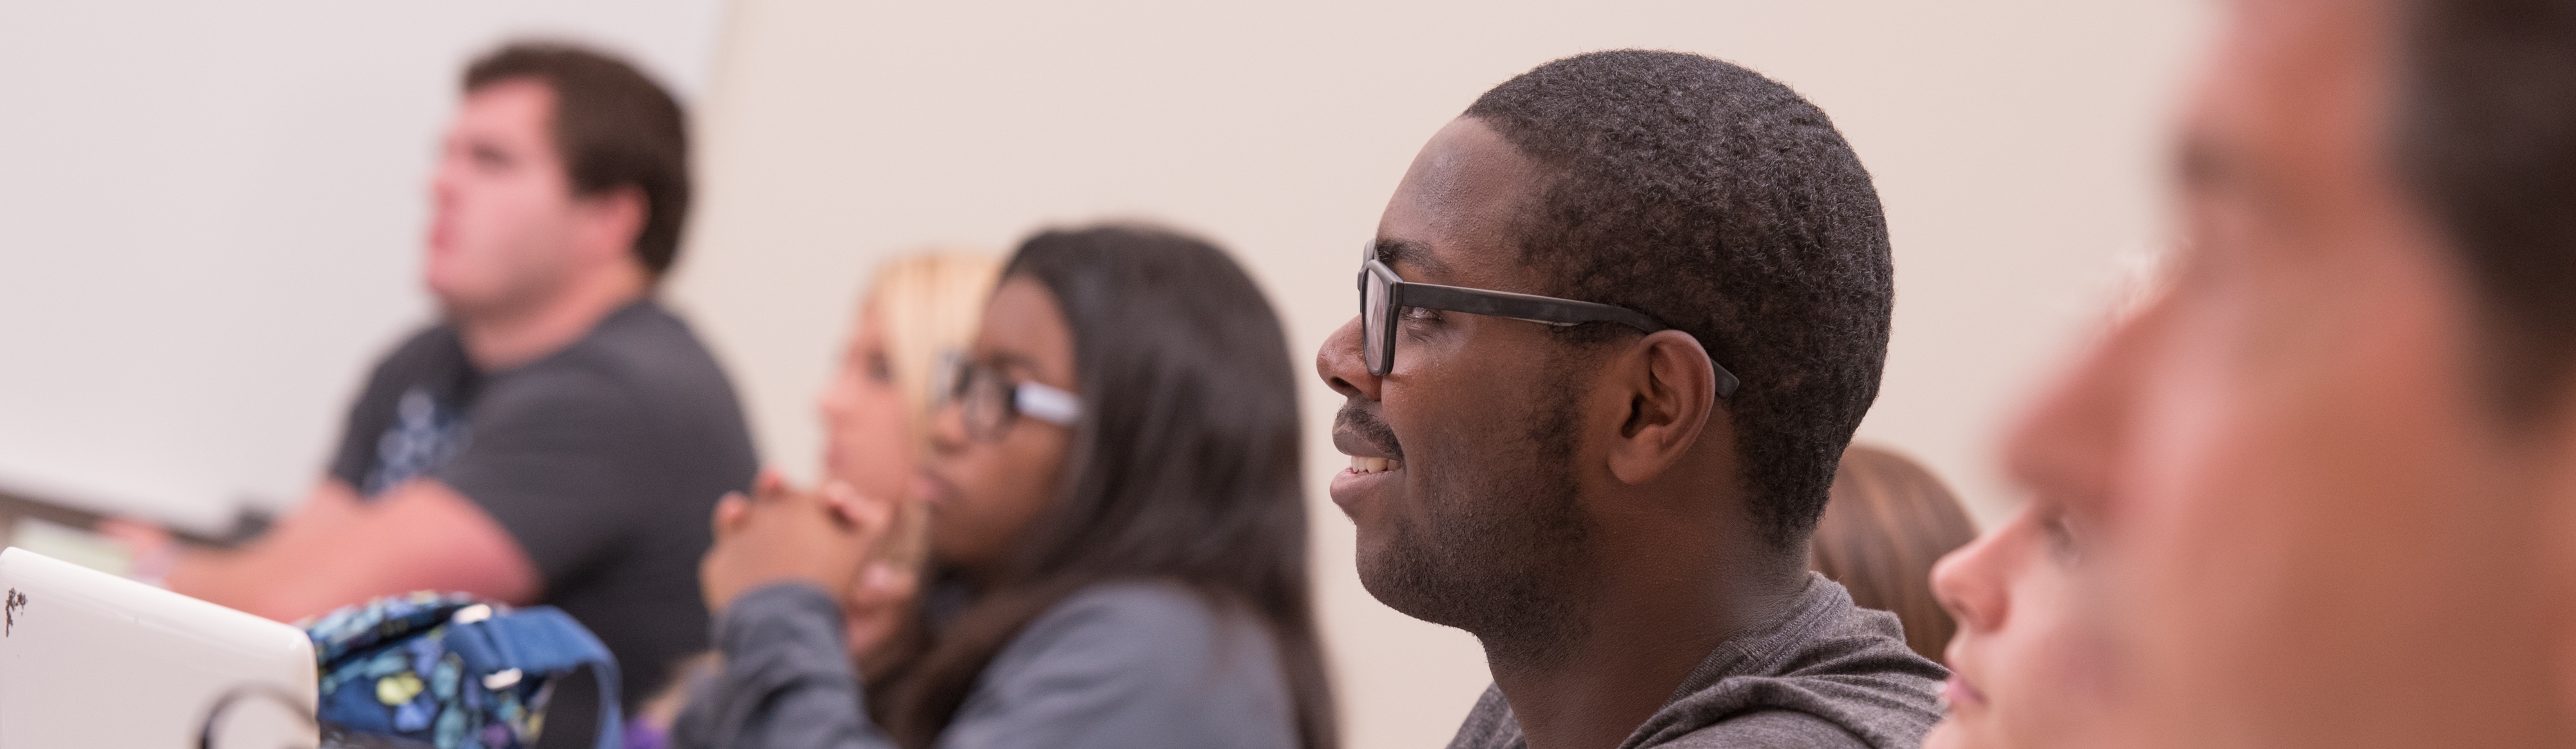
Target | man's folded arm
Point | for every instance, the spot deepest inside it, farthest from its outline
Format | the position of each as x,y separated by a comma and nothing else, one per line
337,550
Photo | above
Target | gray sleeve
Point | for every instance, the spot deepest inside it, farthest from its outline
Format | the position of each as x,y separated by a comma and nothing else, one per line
1771,729
786,682
1132,666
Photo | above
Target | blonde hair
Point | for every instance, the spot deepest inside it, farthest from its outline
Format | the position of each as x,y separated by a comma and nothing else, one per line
928,303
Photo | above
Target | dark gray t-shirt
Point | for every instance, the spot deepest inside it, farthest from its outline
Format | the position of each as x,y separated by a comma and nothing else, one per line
603,460
1825,674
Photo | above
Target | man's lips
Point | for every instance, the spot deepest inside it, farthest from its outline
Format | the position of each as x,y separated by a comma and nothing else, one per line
1357,432
1366,456
1353,488
1957,691
442,234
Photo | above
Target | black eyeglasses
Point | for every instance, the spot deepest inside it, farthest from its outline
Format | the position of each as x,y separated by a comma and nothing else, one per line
1383,294
990,401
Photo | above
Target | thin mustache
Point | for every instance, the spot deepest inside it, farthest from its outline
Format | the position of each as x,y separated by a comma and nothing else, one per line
1365,424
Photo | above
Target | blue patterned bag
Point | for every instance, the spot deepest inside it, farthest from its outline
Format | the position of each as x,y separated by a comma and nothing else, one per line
452,671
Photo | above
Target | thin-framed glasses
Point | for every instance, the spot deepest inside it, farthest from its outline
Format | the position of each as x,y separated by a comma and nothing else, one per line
1385,295
991,401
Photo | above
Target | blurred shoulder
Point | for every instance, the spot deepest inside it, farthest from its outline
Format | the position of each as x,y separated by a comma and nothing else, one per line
641,356
1779,729
1170,615
432,347
1148,632
1134,664
645,341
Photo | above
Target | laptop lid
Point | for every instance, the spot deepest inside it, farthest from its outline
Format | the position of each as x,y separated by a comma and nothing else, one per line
90,659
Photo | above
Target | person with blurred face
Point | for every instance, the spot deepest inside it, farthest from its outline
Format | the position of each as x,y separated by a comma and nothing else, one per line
1550,446
2025,669
2330,469
1117,535
876,413
876,422
558,437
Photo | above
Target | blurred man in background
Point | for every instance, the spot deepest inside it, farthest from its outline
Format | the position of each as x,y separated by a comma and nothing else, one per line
2330,471
558,437
1550,450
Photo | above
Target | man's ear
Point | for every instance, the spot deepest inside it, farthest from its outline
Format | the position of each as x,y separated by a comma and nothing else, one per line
610,220
1672,393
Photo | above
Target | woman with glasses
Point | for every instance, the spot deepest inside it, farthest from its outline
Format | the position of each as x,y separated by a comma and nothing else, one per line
1116,523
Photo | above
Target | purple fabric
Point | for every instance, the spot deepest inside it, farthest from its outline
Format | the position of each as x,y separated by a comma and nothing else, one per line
640,734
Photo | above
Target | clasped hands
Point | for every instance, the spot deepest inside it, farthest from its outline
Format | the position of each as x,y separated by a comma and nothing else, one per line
826,538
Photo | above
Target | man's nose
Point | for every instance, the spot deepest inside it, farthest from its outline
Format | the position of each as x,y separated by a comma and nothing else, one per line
443,181
1340,364
1967,583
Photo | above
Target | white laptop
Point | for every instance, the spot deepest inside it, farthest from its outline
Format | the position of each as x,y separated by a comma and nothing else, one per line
89,659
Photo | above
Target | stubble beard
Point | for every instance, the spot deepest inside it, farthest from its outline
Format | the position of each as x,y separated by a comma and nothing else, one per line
1505,557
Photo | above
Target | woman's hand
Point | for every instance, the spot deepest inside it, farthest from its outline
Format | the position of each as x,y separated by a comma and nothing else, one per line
781,534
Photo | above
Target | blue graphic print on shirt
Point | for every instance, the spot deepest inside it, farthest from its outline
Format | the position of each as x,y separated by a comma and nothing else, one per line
425,434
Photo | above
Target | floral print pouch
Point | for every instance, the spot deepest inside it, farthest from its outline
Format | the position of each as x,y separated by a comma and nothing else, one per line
453,671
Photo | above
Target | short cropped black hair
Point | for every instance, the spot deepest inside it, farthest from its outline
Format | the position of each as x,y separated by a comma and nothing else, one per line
615,128
1723,204
2486,142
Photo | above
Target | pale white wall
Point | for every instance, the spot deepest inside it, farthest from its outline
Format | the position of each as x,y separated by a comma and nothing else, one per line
2016,144
211,218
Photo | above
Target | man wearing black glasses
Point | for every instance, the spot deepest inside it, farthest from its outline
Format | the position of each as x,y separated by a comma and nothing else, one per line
1550,444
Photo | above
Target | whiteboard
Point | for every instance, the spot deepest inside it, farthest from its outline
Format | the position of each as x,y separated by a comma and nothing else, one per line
211,221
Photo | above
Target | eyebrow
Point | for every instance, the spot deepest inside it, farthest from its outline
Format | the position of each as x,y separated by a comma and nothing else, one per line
1409,252
1010,359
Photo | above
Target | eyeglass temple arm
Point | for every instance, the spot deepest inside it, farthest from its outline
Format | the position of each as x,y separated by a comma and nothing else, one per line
1541,309
1046,403
1522,306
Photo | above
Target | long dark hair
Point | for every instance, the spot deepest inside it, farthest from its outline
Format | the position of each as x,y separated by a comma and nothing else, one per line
1185,467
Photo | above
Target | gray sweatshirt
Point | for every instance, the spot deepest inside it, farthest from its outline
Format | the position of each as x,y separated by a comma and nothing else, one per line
1118,664
1824,674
